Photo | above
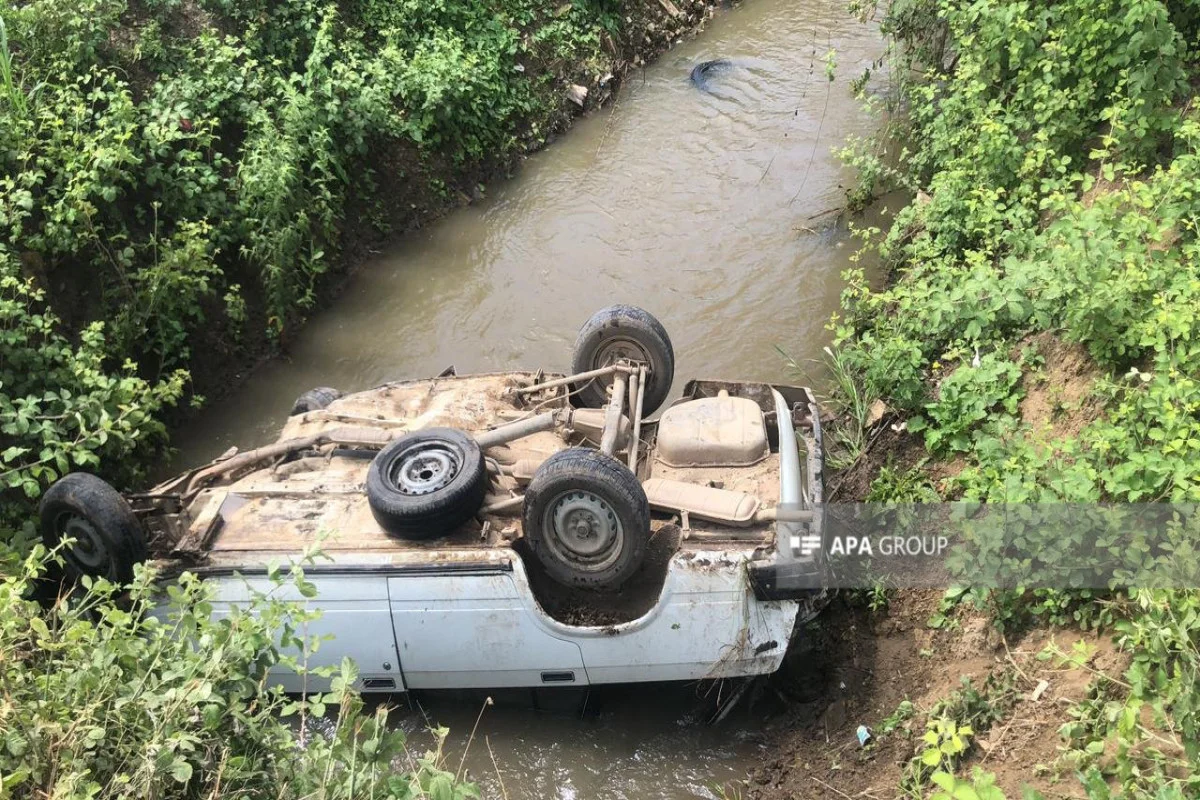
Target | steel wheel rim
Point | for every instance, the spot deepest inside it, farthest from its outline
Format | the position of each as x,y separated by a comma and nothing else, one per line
425,468
619,348
585,530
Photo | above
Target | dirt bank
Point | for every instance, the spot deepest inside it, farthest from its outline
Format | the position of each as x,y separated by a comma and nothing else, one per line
892,672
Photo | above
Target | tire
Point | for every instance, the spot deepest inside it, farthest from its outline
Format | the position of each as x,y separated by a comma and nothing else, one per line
109,540
427,484
605,502
623,332
314,400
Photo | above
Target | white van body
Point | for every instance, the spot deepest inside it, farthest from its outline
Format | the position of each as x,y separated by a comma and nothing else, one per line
471,610
483,628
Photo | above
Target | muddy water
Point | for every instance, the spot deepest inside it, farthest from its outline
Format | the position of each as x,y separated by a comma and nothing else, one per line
709,208
628,743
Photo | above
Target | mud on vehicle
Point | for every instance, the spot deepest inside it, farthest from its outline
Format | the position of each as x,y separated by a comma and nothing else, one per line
505,529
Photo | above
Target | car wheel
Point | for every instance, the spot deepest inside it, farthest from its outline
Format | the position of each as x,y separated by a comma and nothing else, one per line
623,332
427,483
587,519
107,539
314,400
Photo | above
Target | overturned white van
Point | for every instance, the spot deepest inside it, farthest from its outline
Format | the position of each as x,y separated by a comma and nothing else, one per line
505,530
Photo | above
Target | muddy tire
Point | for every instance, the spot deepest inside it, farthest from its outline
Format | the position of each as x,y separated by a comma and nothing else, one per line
587,519
314,400
625,332
427,484
108,539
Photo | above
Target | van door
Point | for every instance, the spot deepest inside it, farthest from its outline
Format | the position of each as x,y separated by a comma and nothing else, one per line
471,630
354,615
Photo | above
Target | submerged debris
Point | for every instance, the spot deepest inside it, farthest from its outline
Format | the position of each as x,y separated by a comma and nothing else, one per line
701,73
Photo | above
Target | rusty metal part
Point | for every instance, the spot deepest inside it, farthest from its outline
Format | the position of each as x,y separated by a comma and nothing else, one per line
162,518
721,431
248,511
346,437
588,425
502,506
776,514
642,376
703,502
522,428
635,406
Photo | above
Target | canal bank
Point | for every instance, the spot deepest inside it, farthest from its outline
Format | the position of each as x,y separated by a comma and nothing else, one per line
410,186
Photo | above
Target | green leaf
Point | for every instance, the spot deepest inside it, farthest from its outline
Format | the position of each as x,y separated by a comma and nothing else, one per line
943,780
12,453
441,787
181,770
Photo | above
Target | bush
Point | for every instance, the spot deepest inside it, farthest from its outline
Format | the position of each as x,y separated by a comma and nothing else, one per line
254,123
107,695
61,408
1053,149
1016,232
174,178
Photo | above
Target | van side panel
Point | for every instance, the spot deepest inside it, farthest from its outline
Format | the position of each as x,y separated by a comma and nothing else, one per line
466,631
706,624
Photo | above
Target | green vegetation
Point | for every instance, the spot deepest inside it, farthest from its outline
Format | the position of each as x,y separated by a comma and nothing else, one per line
950,727
1053,154
101,699
178,177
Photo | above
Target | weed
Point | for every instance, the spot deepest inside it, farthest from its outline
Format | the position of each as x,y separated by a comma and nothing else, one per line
154,183
951,726
943,617
120,691
981,786
13,93
895,485
897,719
879,598
729,791
1053,153
849,400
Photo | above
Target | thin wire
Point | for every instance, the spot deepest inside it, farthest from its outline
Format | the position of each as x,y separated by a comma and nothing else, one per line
821,125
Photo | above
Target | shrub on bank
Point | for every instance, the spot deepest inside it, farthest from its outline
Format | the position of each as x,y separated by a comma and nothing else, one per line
99,698
156,155
63,406
1054,153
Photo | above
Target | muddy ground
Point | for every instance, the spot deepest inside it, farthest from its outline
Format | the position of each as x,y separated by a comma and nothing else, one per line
861,664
